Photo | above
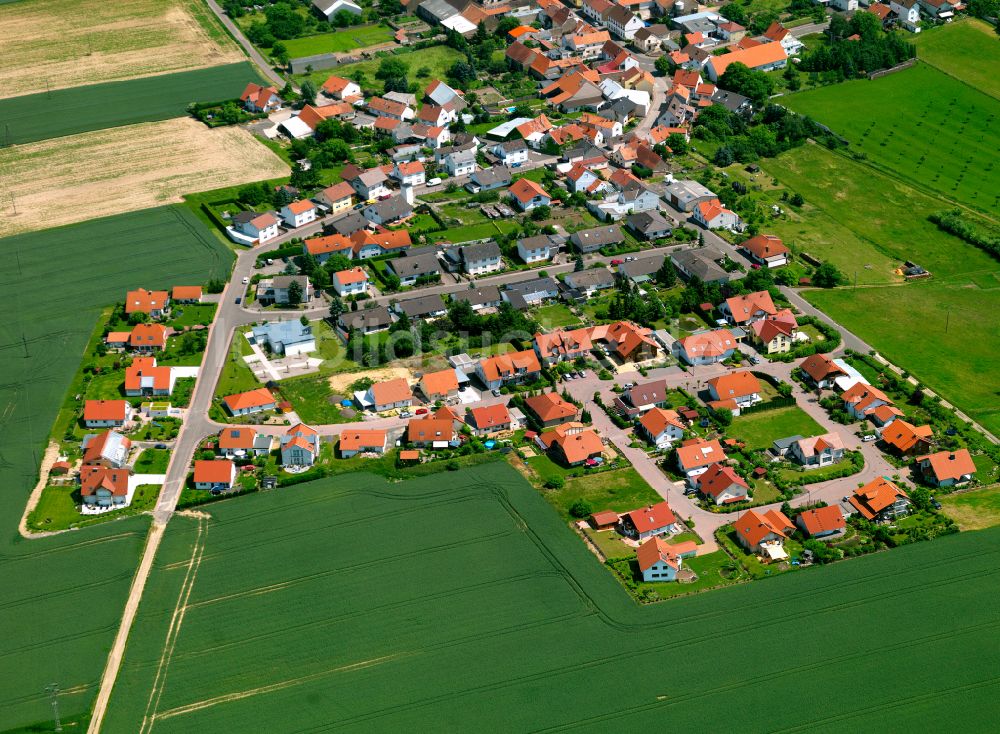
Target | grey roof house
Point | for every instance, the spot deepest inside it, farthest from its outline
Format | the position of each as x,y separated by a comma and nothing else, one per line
650,225
415,264
424,307
592,240
641,270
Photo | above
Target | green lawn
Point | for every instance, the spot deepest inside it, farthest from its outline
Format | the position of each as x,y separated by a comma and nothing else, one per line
152,461
759,430
236,375
555,316
941,136
192,314
344,40
57,508
973,510
619,490
961,49
470,232
436,58
97,106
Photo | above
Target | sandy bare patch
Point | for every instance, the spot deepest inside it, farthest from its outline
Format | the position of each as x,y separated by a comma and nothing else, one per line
47,44
341,383
96,174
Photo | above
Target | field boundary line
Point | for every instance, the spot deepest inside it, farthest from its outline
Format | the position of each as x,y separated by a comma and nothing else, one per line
174,629
128,618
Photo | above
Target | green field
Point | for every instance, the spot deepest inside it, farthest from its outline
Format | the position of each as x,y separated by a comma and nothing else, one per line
295,620
63,596
973,510
98,106
962,50
555,316
438,59
345,40
759,430
926,127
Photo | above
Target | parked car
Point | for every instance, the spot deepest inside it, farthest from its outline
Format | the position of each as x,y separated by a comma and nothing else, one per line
434,181
246,280
160,446
496,392
935,504
238,300
869,437
421,411
755,266
630,258
617,261
754,359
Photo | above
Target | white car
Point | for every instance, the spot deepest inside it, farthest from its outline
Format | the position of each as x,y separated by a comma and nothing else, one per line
434,182
869,437
246,280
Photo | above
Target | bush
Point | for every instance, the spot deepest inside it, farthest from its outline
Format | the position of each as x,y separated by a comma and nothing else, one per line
581,509
554,483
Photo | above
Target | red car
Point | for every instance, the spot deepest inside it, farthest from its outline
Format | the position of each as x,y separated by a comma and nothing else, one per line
616,261
755,266
421,411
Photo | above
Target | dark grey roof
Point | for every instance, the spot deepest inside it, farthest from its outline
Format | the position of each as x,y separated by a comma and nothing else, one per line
244,217
700,263
395,208
583,150
730,100
649,392
783,444
480,251
416,263
367,318
539,240
512,146
481,296
495,176
651,221
598,236
533,285
641,267
421,305
350,224
591,278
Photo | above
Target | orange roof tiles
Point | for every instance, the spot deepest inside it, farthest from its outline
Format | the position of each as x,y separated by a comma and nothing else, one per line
905,437
95,478
698,452
743,308
718,478
359,439
301,206
427,430
143,301
146,367
105,410
735,385
349,277
504,366
439,384
213,471
822,520
550,406
491,416
754,526
876,496
946,465
710,343
187,293
764,246
820,367
653,517
391,391
656,420
237,437
756,56
331,243
148,335
250,399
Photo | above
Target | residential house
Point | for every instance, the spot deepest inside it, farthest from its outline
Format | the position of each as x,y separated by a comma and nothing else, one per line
388,395
764,532
431,306
430,433
260,228
388,210
321,248
329,8
217,475
685,194
722,485
649,522
186,294
440,385
648,40
106,413
820,371
775,334
662,427
708,347
531,292
947,468
562,345
589,281
701,263
241,442
907,13
628,341
299,446
298,213
488,179
860,400
351,282
582,179
536,249
288,338
642,398
488,420
368,244
764,57
480,298
622,22
367,184
734,391
354,441
904,438
641,270
481,258
460,162
437,116
155,304
382,107
279,289
591,240
741,310
256,98
340,88
881,500
533,132
549,409
571,444
144,377
147,338
415,265
409,174
515,367
818,451
109,449
661,561
527,194
101,486
822,522
586,45
713,215
252,401
650,225
512,153
575,91
695,455
941,10
366,321
766,250
778,33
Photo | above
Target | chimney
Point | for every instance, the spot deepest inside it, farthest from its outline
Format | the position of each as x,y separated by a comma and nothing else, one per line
408,194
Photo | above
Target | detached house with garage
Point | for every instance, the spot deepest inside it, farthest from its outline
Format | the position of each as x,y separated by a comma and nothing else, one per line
734,391
713,215
240,442
551,410
430,433
104,487
661,561
904,438
536,249
764,533
881,500
695,455
527,195
415,265
254,401
822,522
300,446
487,420
440,385
821,371
256,98
662,427
721,485
571,444
766,250
740,310
513,368
351,282
337,198
155,304
409,174
299,213
356,441
217,475
706,348
144,378
260,228
775,334
648,522
947,468
386,395
818,451
106,413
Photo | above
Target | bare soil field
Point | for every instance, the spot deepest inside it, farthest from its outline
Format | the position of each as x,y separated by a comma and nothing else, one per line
46,45
341,383
97,174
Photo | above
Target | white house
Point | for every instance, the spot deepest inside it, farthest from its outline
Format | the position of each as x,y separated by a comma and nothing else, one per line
340,88
409,174
713,215
217,475
534,249
734,391
661,561
237,442
908,12
512,153
329,8
289,338
259,227
696,455
482,258
299,446
256,98
817,451
662,427
623,23
351,282
460,162
299,213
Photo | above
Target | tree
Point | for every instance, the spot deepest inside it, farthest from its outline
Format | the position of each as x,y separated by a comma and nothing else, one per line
984,8
283,21
578,264
462,73
921,498
307,91
391,67
724,157
749,82
677,143
294,293
663,65
827,276
336,308
304,178
667,274
581,509
541,212
585,416
554,483
722,416
796,200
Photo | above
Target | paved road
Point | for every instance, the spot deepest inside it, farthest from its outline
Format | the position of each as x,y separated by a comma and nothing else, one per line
252,52
809,28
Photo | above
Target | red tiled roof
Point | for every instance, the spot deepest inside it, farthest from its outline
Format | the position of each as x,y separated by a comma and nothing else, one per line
105,410
755,526
823,520
652,517
550,406
213,471
357,439
251,399
949,464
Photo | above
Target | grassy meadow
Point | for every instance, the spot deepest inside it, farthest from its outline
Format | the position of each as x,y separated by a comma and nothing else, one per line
760,430
961,49
295,620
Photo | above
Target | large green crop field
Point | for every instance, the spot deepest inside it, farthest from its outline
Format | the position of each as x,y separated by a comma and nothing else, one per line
928,128
936,329
63,596
97,106
353,604
967,50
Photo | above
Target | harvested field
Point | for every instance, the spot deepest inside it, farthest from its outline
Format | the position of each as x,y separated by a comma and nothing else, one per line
46,47
286,622
97,174
342,383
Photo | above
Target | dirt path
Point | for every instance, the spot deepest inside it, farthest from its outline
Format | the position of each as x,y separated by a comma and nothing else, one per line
48,459
128,617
